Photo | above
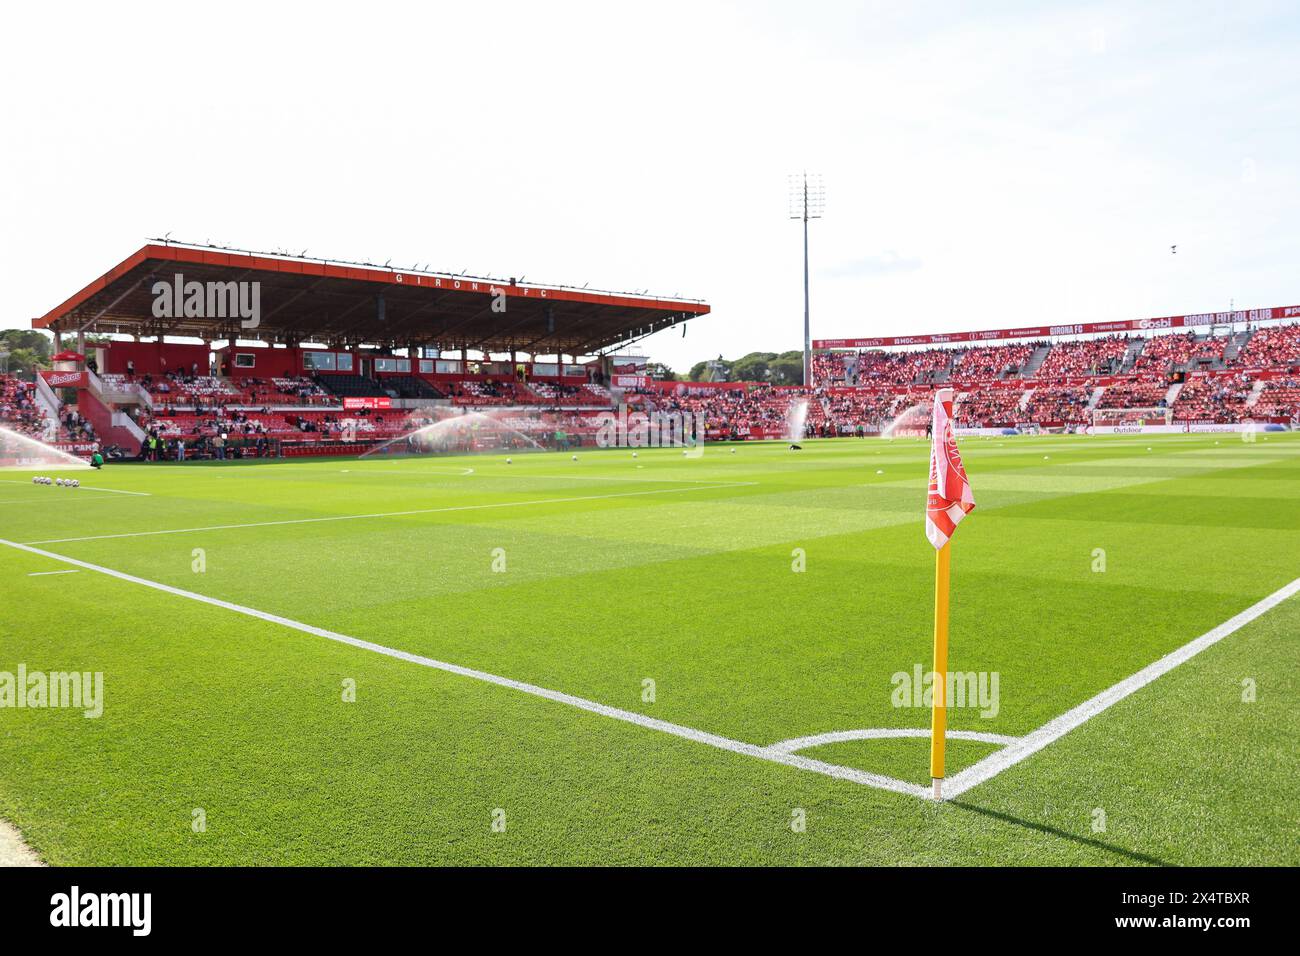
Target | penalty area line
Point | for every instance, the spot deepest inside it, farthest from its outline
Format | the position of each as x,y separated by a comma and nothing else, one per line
626,716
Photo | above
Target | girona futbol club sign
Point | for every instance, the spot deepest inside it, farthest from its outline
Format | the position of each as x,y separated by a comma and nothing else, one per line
1198,320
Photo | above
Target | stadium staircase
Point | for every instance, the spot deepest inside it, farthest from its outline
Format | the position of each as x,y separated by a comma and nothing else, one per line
1255,391
1171,395
1237,341
1035,360
48,399
1135,348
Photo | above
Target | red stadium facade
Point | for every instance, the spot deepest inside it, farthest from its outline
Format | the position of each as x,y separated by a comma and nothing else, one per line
271,353
1199,320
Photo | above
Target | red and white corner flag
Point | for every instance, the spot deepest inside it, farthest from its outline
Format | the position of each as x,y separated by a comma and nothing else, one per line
950,498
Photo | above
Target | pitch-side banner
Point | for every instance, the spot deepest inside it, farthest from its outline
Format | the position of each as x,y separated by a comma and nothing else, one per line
1198,320
65,379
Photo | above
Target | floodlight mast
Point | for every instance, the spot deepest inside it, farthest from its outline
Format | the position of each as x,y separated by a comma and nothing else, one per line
807,201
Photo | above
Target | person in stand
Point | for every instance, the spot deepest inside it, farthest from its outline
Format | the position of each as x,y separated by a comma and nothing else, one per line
130,368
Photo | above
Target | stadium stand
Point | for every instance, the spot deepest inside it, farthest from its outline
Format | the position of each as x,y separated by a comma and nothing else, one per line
1279,398
1104,356
930,366
1147,392
1066,405
19,410
1221,400
410,386
1167,353
1276,347
350,386
991,362
988,407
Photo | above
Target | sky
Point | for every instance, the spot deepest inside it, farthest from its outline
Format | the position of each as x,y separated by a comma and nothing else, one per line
985,165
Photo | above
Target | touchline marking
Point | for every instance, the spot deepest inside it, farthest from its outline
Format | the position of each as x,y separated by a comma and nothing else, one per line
1058,727
1017,749
385,514
627,716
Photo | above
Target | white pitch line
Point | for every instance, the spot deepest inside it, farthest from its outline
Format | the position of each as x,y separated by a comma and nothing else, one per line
115,491
885,733
384,514
1057,728
581,703
41,574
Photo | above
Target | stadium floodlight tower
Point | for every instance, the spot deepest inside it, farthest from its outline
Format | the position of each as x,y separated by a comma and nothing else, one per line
807,201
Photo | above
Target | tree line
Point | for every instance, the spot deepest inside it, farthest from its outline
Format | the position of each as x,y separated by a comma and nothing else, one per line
775,368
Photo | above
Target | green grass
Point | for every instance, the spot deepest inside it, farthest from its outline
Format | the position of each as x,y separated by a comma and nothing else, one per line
680,571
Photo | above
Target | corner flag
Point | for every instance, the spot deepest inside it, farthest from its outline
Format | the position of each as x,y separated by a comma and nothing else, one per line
949,501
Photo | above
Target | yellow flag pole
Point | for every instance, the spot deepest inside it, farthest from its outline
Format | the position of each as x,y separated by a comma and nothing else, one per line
939,689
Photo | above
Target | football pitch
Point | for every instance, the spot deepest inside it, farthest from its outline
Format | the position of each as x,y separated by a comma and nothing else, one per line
661,659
